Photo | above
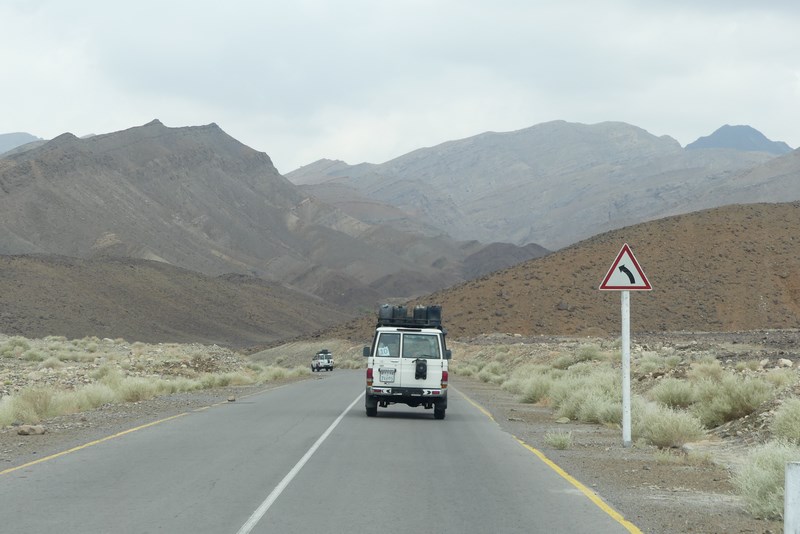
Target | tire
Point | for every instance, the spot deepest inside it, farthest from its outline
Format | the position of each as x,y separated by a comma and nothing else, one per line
371,406
312,368
438,413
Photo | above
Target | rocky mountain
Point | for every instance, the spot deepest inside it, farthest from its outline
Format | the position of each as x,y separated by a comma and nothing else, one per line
740,137
198,199
552,184
723,269
729,269
10,141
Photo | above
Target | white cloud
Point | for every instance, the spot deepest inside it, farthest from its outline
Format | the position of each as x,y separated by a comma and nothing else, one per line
369,81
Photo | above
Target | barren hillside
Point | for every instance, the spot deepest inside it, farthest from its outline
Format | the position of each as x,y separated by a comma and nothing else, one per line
723,269
141,300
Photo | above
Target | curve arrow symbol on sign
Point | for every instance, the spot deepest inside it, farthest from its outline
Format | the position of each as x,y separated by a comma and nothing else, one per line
625,274
627,271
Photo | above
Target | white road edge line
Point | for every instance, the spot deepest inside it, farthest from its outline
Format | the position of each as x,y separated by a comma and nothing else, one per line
262,509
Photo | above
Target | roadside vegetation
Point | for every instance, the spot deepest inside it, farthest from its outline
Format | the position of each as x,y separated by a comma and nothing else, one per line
678,398
41,379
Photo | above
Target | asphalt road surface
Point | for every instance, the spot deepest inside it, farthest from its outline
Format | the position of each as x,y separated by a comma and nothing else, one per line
304,458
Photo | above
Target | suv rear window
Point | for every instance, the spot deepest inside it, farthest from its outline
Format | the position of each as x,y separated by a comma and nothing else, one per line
414,346
389,346
420,346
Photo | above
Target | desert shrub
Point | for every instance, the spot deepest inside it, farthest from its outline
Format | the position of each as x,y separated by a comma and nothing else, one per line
14,347
558,440
648,363
464,369
564,361
761,479
514,385
662,426
75,356
225,379
730,398
673,392
708,369
583,369
786,423
599,407
751,365
51,363
587,397
780,378
133,389
94,395
492,373
535,388
7,414
31,405
272,373
523,375
180,385
108,375
32,356
588,353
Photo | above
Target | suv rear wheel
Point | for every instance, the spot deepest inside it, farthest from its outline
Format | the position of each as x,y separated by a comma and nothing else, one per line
372,407
438,412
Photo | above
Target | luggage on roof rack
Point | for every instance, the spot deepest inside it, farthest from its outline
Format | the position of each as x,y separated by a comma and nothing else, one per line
420,317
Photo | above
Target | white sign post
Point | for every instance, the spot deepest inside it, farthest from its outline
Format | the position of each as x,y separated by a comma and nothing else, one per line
626,275
791,499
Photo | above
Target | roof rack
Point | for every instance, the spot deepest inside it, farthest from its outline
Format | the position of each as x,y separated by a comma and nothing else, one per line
421,316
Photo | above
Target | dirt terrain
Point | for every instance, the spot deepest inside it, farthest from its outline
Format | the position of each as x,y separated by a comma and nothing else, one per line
675,491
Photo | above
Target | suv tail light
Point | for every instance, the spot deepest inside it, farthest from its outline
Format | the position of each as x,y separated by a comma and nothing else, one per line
444,379
369,376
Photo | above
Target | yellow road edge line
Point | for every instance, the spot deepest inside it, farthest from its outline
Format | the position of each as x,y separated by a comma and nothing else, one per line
480,408
128,431
600,503
91,443
619,518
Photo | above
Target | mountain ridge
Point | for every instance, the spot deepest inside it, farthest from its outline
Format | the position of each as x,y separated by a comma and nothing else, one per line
525,186
197,198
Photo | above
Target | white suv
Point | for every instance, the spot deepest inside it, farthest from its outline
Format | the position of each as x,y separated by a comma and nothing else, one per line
408,360
322,360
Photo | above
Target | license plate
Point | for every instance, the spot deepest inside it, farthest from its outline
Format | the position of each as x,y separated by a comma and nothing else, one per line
387,375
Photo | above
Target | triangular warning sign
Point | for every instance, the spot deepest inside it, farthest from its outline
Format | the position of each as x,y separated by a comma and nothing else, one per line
625,273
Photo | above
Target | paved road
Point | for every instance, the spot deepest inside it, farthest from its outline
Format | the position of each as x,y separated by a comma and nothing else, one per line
296,459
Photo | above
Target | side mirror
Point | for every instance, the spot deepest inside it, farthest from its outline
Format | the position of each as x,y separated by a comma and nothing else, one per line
366,352
448,354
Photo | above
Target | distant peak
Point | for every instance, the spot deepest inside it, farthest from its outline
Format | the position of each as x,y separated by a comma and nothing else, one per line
65,137
740,137
155,122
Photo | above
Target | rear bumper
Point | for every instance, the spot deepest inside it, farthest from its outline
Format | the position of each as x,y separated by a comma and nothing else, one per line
385,392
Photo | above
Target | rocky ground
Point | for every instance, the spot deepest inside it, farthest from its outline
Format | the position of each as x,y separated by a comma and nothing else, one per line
676,491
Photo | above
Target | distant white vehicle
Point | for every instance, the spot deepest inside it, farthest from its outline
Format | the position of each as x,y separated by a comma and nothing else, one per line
408,360
322,360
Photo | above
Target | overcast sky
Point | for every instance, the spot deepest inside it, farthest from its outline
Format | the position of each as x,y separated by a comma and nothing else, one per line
368,80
